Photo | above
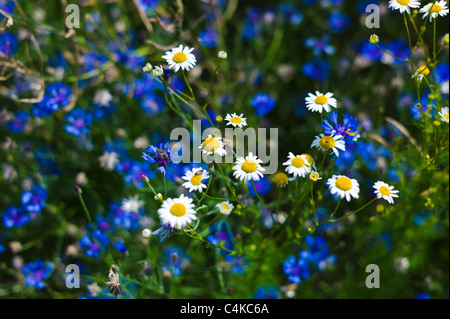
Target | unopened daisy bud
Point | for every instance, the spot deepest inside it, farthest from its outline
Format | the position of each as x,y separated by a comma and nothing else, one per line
219,118
437,123
423,70
158,196
147,68
445,39
146,233
158,71
222,55
77,190
374,39
145,178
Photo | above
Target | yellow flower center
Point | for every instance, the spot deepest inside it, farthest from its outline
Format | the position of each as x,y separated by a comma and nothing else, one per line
280,179
385,191
435,8
423,70
403,2
321,99
344,183
314,176
178,209
236,120
309,159
249,166
225,207
327,142
298,162
179,57
211,144
446,117
196,180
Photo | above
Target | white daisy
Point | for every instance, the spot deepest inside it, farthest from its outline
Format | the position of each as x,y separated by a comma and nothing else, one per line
318,102
109,160
147,68
343,186
177,212
236,120
158,71
225,207
132,204
385,191
329,142
146,233
438,8
314,176
404,5
213,145
297,165
194,179
444,114
180,57
248,168
222,55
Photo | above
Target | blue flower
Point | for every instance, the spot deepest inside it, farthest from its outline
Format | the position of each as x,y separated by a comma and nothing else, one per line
209,37
423,295
33,201
338,21
347,129
36,272
152,104
57,95
296,269
163,232
120,246
177,261
158,155
18,123
14,217
124,219
263,103
147,5
8,44
263,186
266,292
317,69
7,6
371,52
93,247
320,45
79,121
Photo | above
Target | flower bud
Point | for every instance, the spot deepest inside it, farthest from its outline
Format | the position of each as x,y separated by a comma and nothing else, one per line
445,39
374,39
222,55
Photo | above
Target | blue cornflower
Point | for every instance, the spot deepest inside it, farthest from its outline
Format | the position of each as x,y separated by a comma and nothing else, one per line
2,238
57,95
209,37
124,219
160,156
18,123
398,48
347,129
15,217
296,269
163,232
8,44
415,111
79,120
442,73
266,292
120,246
237,263
263,186
92,247
290,14
152,104
371,52
147,5
423,295
36,272
222,234
317,69
320,45
33,201
338,21
7,6
263,103
133,171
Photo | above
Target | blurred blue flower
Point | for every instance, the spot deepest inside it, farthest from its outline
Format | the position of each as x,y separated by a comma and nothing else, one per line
8,44
263,186
266,292
152,104
36,272
263,103
14,217
79,120
423,295
124,219
297,270
371,52
18,123
56,95
158,155
177,261
33,201
338,21
209,37
317,69
120,246
320,45
95,243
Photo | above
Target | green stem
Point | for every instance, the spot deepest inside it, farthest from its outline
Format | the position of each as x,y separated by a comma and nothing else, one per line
88,215
345,216
264,203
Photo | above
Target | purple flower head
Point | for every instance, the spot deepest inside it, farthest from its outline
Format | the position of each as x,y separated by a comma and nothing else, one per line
177,261
320,45
8,44
15,217
36,272
267,292
18,123
95,243
296,269
338,21
209,37
79,121
33,201
160,156
57,95
317,70
347,129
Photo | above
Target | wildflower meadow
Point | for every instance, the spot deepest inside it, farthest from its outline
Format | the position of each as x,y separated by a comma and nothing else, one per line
217,149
